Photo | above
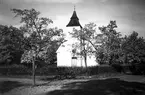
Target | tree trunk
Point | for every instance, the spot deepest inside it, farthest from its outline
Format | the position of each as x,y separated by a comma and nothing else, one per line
84,54
85,58
33,72
81,52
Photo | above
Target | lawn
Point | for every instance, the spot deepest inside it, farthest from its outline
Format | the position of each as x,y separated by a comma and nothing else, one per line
112,86
118,85
6,86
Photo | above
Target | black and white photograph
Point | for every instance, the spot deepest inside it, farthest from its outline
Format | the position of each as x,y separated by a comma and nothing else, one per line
72,47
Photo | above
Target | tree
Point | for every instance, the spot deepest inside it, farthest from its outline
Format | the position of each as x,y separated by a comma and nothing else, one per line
134,48
88,36
10,44
38,37
51,55
111,45
106,45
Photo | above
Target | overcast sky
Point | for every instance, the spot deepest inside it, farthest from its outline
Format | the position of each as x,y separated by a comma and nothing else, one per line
129,14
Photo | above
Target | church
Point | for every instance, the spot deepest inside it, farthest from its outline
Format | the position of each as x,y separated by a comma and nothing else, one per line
66,53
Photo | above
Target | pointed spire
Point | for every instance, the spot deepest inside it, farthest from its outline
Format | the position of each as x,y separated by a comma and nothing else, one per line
74,16
74,19
74,8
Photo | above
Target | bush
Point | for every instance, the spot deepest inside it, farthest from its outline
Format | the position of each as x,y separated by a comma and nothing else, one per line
142,69
14,70
59,72
26,70
118,67
47,70
106,69
137,69
72,72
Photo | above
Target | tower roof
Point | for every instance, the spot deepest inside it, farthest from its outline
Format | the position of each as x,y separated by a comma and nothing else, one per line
74,20
74,16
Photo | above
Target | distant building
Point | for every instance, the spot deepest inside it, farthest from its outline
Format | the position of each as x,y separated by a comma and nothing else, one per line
67,58
67,53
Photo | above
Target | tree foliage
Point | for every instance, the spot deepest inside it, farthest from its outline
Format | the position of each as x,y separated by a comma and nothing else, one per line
38,35
90,40
88,34
134,48
110,50
10,44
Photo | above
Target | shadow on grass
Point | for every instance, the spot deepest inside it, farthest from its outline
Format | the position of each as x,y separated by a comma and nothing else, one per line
47,78
6,86
112,86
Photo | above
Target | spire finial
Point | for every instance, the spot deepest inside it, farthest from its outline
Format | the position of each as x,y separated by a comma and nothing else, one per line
74,7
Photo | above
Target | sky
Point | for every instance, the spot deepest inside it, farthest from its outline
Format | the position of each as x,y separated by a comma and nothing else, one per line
129,14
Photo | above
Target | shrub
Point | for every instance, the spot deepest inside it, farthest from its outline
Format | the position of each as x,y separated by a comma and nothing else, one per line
14,70
59,72
117,67
72,72
46,70
137,69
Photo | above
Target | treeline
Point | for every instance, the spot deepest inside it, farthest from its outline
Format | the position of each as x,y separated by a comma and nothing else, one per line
111,48
118,49
32,42
13,43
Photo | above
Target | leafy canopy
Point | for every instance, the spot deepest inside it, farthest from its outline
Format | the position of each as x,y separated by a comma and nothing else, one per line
38,35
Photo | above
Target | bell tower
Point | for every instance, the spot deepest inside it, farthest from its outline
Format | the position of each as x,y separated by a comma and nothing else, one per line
74,20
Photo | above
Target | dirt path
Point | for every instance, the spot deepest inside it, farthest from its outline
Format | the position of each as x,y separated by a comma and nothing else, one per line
55,85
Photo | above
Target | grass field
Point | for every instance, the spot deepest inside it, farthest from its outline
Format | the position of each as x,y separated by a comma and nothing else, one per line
111,86
17,80
115,85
